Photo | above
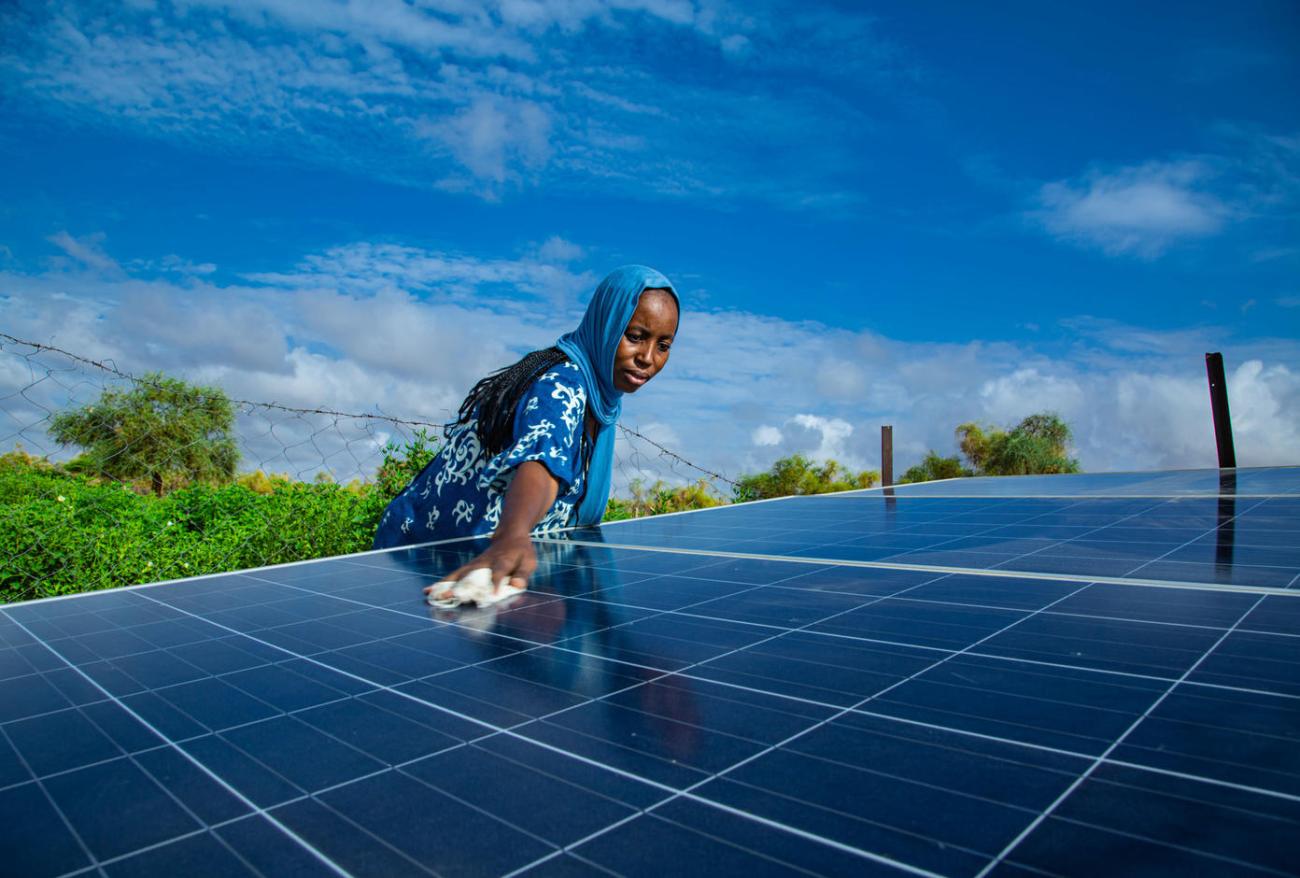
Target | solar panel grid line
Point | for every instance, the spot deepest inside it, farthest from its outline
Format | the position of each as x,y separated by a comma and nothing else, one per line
568,849
902,494
1120,521
138,851
279,825
946,570
1021,660
1202,779
1100,616
1186,543
1082,755
752,503
197,764
1059,545
1076,502
832,843
1130,674
210,830
359,678
689,792
507,730
1007,851
535,645
51,802
747,815
774,635
1186,496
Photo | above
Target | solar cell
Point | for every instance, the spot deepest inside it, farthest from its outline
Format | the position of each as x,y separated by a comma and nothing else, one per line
1063,675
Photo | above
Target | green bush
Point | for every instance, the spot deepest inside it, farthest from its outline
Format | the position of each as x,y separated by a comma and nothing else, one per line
660,498
799,475
935,467
1038,444
65,532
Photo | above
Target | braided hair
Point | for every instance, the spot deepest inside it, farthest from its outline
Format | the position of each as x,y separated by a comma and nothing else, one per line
495,398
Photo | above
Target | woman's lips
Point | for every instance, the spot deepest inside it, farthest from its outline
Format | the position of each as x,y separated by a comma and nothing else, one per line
635,378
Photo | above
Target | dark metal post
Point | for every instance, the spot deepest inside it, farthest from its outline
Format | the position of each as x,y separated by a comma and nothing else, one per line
1219,407
887,456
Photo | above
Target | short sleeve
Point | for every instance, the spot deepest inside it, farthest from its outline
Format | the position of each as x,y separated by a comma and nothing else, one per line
549,423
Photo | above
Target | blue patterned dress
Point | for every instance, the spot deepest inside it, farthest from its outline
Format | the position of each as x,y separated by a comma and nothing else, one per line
460,492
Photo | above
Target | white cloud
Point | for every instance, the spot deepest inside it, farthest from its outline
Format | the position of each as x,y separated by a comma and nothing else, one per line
1003,398
736,45
366,267
1265,405
833,433
493,137
88,251
482,98
401,330
556,249
1139,211
766,435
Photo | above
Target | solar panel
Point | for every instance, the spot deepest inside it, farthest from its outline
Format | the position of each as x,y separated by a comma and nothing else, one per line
1032,676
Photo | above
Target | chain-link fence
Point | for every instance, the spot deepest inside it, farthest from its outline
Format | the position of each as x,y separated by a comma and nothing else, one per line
306,482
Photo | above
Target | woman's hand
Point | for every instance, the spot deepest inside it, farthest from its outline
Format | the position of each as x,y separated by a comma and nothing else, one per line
509,557
511,554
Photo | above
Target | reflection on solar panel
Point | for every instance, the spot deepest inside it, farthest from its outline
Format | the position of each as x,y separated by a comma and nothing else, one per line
1089,675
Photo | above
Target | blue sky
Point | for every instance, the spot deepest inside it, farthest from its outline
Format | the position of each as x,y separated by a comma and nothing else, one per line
906,213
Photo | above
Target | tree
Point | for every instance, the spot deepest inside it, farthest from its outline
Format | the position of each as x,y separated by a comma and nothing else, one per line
935,467
1038,444
799,475
161,429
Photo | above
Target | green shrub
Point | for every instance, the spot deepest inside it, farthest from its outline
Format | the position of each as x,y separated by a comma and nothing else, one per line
799,475
63,533
935,467
660,498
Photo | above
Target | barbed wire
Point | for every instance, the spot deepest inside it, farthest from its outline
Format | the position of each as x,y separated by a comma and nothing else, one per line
61,534
633,466
669,454
107,366
246,406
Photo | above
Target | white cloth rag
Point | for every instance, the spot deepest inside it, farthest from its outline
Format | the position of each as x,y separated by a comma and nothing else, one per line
474,588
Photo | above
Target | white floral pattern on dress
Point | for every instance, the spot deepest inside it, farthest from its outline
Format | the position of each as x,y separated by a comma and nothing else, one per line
462,479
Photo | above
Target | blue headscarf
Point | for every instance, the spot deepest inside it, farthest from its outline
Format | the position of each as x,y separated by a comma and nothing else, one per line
592,347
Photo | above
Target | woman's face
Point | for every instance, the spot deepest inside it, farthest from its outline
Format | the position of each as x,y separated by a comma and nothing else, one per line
643,350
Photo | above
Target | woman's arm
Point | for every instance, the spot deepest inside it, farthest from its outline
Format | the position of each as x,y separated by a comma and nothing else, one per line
529,496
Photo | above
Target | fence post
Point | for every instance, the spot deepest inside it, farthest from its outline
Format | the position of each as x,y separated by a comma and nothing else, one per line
1219,408
887,456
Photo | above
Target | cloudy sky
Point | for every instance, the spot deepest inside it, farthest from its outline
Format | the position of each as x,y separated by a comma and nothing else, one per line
910,213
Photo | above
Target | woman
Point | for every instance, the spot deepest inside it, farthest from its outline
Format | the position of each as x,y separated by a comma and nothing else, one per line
533,447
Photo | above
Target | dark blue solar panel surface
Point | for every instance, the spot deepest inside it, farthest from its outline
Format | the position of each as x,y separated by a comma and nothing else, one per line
1074,679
